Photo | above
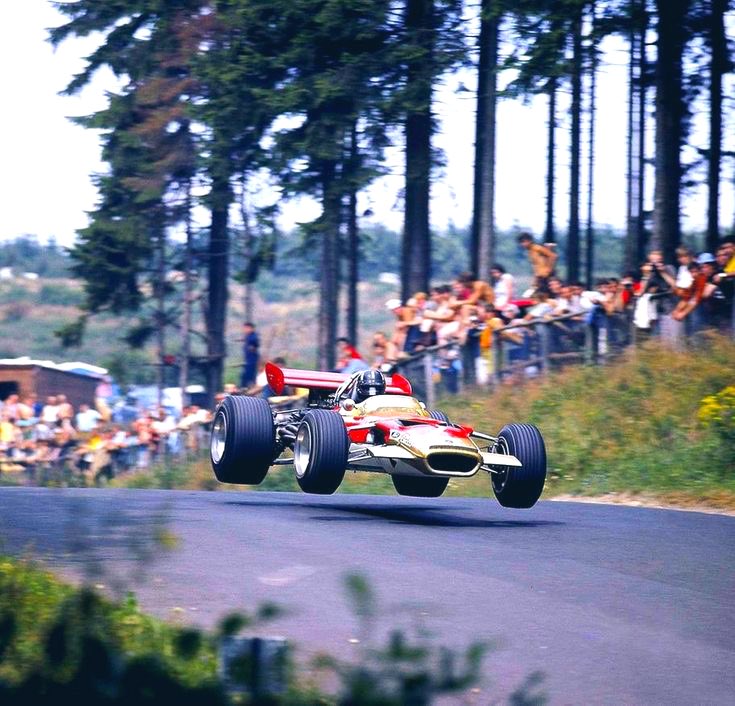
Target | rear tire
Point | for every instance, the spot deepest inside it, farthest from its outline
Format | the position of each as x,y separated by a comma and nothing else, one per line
242,442
419,487
320,452
520,487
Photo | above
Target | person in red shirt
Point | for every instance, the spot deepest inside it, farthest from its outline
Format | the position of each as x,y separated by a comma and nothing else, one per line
691,296
349,359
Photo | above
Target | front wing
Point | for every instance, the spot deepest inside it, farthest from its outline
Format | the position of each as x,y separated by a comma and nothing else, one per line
398,460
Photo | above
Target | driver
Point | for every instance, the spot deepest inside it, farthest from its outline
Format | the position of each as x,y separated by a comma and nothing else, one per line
369,383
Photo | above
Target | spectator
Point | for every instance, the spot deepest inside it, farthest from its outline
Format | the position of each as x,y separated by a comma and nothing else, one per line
446,325
251,355
503,285
474,290
9,433
543,307
164,428
399,330
262,387
142,427
65,409
384,352
728,247
516,339
542,258
715,309
684,278
26,408
555,287
690,297
349,360
87,419
11,407
726,284
411,320
50,412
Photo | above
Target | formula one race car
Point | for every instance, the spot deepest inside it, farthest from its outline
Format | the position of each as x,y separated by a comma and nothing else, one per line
367,422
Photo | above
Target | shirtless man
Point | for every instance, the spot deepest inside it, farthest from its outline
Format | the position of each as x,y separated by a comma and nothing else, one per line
543,260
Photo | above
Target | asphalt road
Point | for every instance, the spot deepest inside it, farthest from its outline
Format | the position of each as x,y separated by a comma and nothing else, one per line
616,605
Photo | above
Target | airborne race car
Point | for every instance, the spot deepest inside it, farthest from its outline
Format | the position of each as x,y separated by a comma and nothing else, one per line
391,432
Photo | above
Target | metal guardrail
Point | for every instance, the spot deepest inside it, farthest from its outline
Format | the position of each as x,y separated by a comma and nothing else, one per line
539,346
75,464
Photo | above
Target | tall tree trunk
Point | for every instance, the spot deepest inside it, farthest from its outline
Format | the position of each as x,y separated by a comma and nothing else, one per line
416,249
636,233
329,275
575,150
550,230
248,252
590,236
353,242
483,222
634,237
718,66
187,318
669,125
218,260
159,290
641,232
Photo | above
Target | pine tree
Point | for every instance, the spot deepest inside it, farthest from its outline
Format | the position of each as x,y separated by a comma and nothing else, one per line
482,247
670,113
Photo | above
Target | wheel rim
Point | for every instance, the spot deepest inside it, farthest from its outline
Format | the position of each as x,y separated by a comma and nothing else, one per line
500,478
218,440
302,450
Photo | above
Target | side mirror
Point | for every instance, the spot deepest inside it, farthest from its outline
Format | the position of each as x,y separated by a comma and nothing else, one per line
348,404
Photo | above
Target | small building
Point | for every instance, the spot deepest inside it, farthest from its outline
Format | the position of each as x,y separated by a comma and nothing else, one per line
24,376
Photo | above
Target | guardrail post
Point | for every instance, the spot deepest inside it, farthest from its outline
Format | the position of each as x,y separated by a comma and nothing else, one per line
429,380
589,344
468,363
497,358
543,333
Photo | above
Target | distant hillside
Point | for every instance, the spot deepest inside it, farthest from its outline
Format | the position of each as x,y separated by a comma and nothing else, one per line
31,310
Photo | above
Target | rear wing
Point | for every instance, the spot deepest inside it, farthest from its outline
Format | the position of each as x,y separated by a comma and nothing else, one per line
278,378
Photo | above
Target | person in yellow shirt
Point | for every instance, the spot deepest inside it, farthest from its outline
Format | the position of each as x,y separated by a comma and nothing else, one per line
8,431
728,248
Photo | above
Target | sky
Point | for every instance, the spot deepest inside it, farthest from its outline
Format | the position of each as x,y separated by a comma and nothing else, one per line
47,161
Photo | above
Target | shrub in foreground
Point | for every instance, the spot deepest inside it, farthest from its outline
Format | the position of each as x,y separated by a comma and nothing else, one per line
61,644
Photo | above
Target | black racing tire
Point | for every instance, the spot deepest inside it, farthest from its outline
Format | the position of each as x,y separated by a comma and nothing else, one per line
320,452
420,487
520,487
440,416
243,440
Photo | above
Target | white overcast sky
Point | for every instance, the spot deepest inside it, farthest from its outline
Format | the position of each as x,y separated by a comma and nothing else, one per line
47,161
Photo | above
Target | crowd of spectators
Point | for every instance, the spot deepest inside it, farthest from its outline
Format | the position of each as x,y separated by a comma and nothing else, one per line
658,299
51,440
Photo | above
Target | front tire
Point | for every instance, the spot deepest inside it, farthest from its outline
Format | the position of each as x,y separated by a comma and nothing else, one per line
320,452
439,416
420,487
520,487
242,442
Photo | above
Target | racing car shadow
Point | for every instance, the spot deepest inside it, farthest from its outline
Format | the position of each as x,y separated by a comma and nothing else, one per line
423,515
433,515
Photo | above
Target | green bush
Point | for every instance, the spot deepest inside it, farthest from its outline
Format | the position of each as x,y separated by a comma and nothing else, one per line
60,295
58,644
